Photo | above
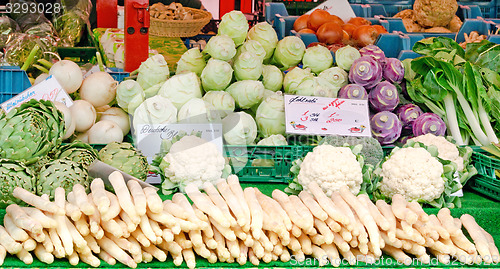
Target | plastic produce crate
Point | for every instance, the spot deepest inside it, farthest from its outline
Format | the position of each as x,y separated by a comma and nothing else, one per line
486,182
489,9
13,81
278,171
118,74
81,53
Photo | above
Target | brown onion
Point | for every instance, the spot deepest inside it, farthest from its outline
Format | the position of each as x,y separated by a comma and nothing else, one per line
349,28
380,29
300,23
306,31
359,21
330,33
337,19
317,18
365,35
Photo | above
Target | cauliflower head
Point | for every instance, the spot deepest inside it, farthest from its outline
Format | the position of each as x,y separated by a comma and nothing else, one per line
446,149
413,173
331,167
434,13
192,160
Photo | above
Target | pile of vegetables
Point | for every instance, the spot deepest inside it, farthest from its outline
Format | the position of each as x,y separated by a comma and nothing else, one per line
230,224
461,86
334,32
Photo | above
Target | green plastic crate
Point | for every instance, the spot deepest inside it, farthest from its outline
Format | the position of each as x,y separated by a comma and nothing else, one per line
242,157
486,182
83,52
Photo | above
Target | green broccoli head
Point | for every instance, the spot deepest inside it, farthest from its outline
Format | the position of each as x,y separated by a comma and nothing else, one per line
372,150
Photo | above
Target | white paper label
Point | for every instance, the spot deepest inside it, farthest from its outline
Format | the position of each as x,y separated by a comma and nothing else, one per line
326,116
49,89
149,138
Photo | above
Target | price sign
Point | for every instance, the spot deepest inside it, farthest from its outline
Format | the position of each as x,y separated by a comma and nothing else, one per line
149,137
49,89
326,116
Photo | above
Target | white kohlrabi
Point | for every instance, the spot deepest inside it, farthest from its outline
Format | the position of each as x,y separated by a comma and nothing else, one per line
239,128
155,110
221,47
217,75
153,71
289,52
181,88
192,60
336,76
270,115
294,77
126,91
272,77
317,58
235,25
195,111
253,46
222,102
246,93
135,103
345,57
316,86
153,90
264,33
247,66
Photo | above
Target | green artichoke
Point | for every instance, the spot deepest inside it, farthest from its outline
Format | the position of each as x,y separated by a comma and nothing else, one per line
79,152
31,131
38,165
61,173
126,158
14,174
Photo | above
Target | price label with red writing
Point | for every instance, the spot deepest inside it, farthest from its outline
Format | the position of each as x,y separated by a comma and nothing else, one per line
326,116
49,89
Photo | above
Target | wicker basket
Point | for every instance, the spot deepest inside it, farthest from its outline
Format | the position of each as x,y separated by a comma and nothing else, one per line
180,28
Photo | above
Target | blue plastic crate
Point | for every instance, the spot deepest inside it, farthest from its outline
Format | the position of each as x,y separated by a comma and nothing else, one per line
388,8
489,9
283,25
118,74
273,9
13,81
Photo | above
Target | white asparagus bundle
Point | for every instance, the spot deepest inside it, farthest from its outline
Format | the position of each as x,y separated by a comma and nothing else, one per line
229,224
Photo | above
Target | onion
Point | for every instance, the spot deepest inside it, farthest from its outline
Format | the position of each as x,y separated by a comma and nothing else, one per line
84,137
349,28
68,74
330,33
99,89
380,29
306,31
118,116
337,19
301,23
69,122
105,132
359,21
365,35
84,115
40,78
317,18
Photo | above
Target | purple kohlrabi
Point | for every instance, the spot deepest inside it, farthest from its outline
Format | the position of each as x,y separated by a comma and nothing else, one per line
386,127
366,71
375,52
408,114
394,70
384,97
429,123
353,91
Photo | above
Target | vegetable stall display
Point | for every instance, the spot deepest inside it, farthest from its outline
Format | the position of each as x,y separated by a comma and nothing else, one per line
232,224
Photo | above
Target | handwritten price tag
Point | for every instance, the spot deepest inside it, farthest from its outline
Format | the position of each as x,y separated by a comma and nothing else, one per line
49,89
326,116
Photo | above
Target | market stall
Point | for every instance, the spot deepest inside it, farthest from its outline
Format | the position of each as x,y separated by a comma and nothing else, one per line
330,138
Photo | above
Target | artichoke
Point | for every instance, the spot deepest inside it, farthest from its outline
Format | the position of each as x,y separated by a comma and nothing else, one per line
61,173
38,165
31,131
126,158
14,174
79,152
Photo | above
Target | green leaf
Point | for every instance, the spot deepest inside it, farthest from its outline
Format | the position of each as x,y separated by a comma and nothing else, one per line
484,54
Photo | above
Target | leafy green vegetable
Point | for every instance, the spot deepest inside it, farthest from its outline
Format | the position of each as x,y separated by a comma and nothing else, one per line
484,54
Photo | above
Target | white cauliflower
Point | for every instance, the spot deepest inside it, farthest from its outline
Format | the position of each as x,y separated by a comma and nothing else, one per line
446,149
413,173
193,160
331,167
